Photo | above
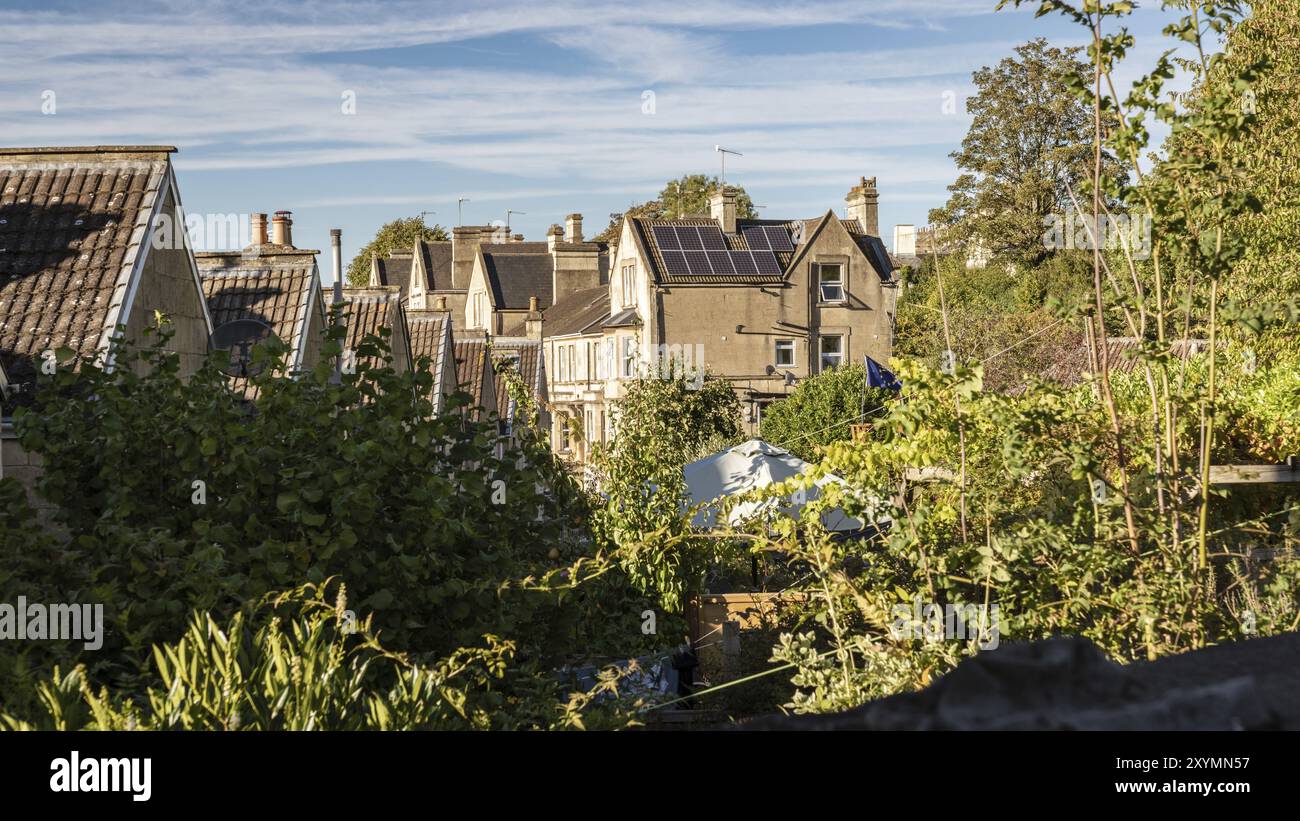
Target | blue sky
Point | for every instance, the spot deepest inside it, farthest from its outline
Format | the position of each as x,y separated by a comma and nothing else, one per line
535,107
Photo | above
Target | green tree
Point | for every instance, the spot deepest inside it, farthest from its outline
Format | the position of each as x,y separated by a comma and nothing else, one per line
1029,146
661,424
680,198
820,410
397,235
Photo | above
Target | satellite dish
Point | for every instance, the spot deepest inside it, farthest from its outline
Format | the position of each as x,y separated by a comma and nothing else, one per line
239,337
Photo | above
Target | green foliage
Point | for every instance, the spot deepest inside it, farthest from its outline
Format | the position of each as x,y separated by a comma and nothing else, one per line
1029,145
680,198
396,235
661,425
820,410
1017,322
297,662
174,495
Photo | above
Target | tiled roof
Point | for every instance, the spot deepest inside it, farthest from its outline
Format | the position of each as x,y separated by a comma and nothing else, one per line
370,309
515,277
430,335
528,353
471,356
278,288
1071,367
643,231
436,258
395,271
626,318
72,224
578,313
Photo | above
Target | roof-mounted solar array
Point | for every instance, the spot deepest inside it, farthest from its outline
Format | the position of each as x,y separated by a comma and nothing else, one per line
690,238
768,238
721,263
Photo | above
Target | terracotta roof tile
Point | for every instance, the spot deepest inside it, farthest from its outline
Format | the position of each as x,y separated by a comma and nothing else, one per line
369,310
471,362
72,222
281,291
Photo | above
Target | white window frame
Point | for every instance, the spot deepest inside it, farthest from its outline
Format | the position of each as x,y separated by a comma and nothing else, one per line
822,353
629,285
627,362
783,346
840,285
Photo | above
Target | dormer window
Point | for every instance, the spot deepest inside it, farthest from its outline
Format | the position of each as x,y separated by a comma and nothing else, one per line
830,281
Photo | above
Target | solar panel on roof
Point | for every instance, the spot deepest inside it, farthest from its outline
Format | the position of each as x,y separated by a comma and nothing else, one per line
698,263
690,238
756,238
744,262
675,262
766,263
666,236
778,238
721,262
712,238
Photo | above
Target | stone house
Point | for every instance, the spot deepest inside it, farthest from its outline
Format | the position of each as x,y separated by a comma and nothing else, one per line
92,248
765,303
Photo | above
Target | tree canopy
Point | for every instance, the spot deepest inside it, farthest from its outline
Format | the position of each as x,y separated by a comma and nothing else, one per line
1028,148
681,197
396,235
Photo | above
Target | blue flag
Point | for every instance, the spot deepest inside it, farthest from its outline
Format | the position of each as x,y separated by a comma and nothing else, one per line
878,376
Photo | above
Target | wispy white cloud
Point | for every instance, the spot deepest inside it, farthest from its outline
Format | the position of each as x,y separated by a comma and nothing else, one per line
243,86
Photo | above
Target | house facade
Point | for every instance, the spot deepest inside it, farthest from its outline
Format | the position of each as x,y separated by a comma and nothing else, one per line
763,303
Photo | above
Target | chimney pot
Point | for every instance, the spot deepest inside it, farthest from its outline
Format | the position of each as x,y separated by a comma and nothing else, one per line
257,227
864,206
532,303
573,228
440,303
281,229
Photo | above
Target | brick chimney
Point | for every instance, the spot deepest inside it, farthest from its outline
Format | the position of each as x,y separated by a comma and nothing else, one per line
282,229
573,228
257,228
465,242
533,322
722,207
864,206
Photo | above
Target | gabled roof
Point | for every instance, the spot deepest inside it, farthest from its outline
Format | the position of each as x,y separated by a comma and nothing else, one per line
645,237
277,286
370,309
872,248
802,234
580,312
74,227
515,276
528,353
394,271
473,370
435,257
429,333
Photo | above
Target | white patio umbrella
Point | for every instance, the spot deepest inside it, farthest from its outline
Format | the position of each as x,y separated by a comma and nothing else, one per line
751,465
